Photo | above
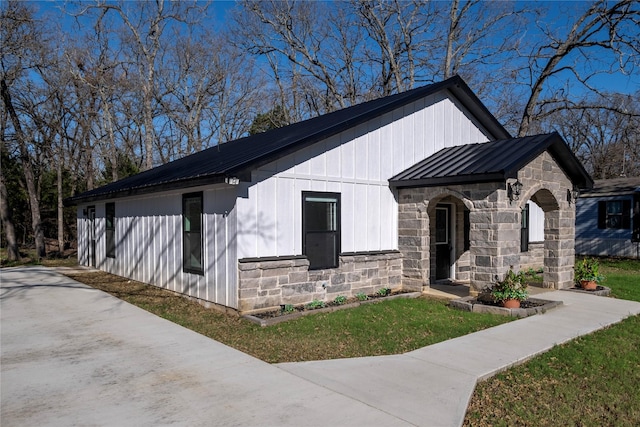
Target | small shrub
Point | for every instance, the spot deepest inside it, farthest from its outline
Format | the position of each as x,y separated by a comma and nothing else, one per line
514,286
362,296
287,308
315,304
533,274
340,299
383,292
588,269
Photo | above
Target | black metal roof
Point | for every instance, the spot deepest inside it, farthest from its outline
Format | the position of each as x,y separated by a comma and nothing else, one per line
237,158
491,161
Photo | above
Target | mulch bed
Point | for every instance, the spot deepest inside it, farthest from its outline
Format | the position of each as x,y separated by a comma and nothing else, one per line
327,304
272,317
528,303
486,304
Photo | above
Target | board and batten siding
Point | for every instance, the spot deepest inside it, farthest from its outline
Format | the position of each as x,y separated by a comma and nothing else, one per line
356,163
149,243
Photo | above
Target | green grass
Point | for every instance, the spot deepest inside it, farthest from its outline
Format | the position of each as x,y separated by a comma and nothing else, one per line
386,327
623,277
591,381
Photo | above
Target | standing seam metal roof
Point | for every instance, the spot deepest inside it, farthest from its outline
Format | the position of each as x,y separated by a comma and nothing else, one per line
234,158
491,161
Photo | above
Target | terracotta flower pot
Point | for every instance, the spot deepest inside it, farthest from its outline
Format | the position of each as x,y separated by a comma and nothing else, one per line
511,303
589,285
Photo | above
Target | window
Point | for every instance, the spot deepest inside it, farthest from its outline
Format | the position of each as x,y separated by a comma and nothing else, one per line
442,225
321,229
524,230
635,237
467,230
110,229
192,233
614,214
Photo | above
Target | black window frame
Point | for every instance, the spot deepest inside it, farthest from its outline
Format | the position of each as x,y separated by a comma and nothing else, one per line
524,229
635,235
336,233
607,221
110,229
188,235
466,221
442,235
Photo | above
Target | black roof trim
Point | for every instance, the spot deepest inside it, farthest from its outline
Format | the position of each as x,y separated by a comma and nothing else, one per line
237,158
88,197
494,161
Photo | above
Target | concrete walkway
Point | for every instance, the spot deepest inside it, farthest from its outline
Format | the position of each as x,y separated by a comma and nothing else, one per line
72,355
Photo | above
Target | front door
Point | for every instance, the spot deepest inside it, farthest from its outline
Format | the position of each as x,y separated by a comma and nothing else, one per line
443,242
91,216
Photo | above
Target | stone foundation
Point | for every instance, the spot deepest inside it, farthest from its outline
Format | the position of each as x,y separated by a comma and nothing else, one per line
266,283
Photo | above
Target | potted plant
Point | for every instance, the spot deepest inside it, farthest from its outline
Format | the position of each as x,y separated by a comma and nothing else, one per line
587,273
510,291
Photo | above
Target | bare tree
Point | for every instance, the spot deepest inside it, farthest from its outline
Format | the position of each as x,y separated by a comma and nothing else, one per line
193,79
578,53
478,41
13,253
310,41
606,140
21,51
400,31
144,37
97,75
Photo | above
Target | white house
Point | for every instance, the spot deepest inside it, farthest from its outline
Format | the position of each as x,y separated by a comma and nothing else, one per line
397,192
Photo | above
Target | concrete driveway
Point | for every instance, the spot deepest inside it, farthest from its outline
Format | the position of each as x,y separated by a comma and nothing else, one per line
72,355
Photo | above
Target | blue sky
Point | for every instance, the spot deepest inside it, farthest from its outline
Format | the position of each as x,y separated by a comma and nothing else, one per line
617,82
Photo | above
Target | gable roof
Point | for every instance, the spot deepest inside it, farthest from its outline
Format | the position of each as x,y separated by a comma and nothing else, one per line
613,187
237,158
491,161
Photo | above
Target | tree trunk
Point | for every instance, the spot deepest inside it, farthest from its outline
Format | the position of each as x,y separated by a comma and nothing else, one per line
60,210
29,177
13,254
148,131
451,36
108,123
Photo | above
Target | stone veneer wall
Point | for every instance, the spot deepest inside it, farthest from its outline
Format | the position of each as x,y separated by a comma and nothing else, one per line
266,283
534,258
546,184
495,227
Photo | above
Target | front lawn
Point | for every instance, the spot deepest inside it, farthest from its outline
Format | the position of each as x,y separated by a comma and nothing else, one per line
387,327
591,381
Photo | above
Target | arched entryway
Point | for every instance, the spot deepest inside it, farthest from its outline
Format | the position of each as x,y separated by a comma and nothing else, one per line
491,183
557,257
